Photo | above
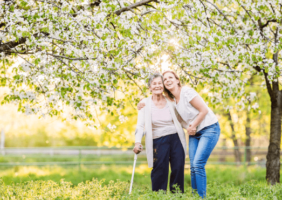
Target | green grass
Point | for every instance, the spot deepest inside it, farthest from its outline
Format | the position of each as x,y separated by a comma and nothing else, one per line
67,158
224,182
74,174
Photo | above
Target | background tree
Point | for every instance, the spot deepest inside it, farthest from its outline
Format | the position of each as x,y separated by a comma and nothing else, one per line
237,152
71,54
225,43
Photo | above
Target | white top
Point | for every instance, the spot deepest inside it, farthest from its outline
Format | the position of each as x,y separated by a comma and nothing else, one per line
189,113
145,122
162,122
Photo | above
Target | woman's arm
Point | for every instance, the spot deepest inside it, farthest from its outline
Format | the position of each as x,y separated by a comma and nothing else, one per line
197,103
179,118
139,130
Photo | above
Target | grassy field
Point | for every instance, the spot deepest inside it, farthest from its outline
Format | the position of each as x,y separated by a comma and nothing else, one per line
80,183
69,158
215,173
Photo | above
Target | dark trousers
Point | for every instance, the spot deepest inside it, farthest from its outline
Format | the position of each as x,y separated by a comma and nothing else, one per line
168,149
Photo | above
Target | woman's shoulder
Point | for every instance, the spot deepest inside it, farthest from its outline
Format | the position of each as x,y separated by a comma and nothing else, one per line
188,93
187,89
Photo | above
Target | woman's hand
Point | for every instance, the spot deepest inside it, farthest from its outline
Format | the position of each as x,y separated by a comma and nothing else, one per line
138,148
140,105
191,130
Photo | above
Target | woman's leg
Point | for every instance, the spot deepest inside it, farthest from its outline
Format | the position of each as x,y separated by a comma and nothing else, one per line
193,145
208,139
177,162
159,174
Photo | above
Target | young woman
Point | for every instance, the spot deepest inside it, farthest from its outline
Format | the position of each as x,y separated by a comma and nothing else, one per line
203,127
165,138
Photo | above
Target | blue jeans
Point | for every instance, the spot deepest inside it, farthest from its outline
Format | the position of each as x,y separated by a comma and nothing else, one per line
200,148
168,149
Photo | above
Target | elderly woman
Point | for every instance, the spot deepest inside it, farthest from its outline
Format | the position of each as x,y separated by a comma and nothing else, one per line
165,139
203,127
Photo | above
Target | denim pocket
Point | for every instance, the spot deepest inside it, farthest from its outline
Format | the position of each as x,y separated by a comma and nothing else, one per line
207,127
213,129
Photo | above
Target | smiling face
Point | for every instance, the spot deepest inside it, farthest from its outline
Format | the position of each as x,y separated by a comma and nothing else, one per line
157,86
170,81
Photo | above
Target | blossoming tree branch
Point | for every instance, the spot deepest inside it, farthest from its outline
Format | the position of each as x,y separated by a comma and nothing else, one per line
80,53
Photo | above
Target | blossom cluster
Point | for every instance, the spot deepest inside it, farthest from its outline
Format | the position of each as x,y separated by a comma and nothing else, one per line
79,54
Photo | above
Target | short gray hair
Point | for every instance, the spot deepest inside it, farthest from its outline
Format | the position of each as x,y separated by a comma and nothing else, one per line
153,76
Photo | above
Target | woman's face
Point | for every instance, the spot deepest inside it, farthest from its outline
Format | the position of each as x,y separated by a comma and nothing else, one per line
157,86
170,82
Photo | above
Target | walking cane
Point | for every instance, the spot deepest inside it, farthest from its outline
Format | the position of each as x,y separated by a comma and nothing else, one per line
131,183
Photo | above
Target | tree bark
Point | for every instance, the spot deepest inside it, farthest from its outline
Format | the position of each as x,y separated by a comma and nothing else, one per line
273,154
10,45
280,103
135,5
237,153
248,138
248,129
222,154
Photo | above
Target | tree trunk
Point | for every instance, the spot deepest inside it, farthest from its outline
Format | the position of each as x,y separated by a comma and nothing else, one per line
280,103
248,138
273,154
248,129
223,152
237,153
